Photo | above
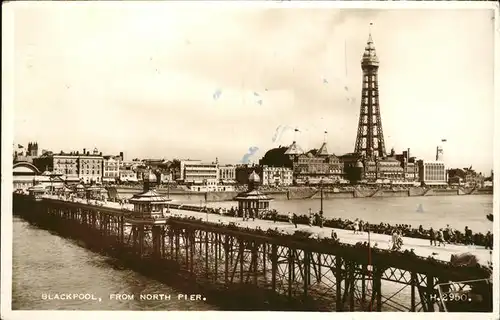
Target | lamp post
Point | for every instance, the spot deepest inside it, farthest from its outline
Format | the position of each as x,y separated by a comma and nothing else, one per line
321,193
168,191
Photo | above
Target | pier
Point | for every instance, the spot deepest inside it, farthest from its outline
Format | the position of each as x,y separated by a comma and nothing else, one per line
268,269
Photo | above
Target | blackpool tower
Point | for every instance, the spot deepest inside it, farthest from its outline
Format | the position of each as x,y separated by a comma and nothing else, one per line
370,138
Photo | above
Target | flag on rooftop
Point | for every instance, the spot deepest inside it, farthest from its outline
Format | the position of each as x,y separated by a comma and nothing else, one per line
443,140
20,146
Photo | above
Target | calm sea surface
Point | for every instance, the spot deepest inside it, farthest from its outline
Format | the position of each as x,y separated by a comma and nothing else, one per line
46,264
435,211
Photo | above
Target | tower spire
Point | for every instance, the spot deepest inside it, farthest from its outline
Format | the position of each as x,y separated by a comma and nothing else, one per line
370,138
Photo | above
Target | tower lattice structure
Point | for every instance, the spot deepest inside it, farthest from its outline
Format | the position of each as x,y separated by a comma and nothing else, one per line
370,138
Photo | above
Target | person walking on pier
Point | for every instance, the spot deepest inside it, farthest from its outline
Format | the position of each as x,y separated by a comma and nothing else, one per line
290,217
334,236
294,220
432,236
311,219
440,238
321,219
489,240
356,226
468,236
396,241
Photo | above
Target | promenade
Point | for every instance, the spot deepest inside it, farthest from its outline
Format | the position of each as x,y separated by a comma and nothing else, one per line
421,247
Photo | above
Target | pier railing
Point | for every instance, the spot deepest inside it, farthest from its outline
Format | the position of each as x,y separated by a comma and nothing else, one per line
265,269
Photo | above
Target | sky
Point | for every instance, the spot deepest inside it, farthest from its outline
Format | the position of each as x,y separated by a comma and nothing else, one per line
200,82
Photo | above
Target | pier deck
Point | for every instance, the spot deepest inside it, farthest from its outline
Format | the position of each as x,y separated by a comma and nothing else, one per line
266,270
421,247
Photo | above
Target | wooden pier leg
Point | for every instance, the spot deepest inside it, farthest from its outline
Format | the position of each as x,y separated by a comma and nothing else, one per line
186,247
264,259
363,286
135,237
291,266
177,244
255,260
206,254
163,238
307,272
122,229
156,234
274,265
378,285
338,284
319,267
242,260
352,284
141,240
413,287
226,259
217,253
192,245
429,291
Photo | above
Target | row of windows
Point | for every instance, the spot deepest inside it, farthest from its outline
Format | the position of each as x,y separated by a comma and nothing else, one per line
110,174
200,166
91,172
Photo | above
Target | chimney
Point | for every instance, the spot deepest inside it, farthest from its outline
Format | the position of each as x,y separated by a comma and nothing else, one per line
408,153
84,151
121,156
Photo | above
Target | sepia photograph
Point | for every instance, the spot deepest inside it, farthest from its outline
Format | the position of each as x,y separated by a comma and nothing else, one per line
215,156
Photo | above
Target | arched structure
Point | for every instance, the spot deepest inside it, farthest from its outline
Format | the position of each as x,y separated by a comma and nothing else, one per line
24,175
22,167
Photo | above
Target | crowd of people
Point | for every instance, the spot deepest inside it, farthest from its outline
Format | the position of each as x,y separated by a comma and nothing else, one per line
438,237
302,235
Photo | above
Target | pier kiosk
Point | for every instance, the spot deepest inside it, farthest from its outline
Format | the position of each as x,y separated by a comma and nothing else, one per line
253,203
148,216
80,191
95,192
37,192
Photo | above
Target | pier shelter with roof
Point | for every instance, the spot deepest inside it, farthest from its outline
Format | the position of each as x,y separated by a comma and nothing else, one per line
252,203
148,214
37,191
80,190
95,192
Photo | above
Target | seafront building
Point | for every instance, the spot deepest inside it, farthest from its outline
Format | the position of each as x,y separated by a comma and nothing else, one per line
127,176
111,169
466,177
432,173
90,167
307,167
277,176
227,174
198,172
